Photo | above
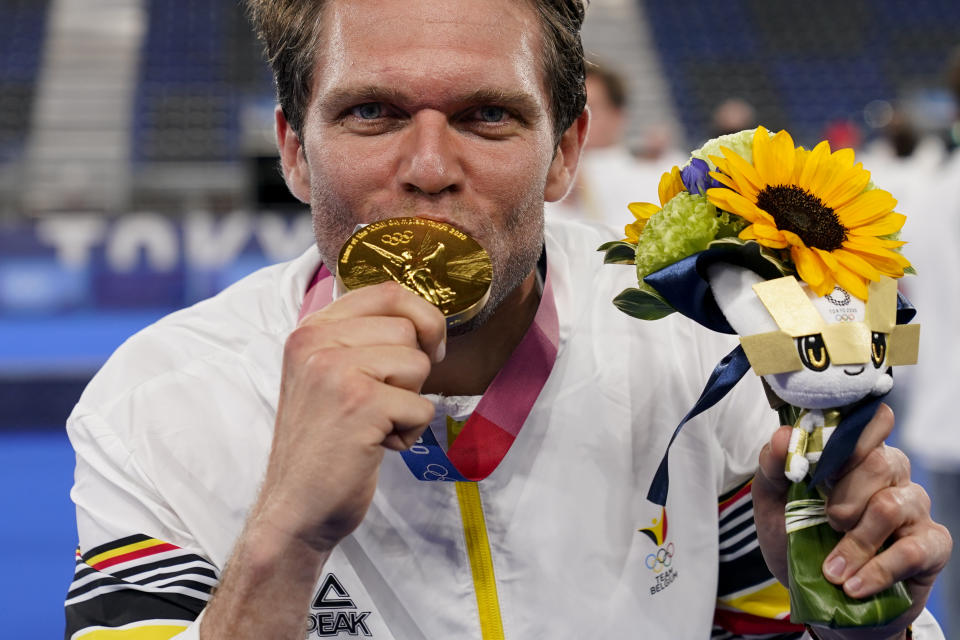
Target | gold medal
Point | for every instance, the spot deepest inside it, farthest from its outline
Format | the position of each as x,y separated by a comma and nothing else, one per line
436,261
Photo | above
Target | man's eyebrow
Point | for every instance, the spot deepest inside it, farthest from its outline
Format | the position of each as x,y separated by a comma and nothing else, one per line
516,99
349,96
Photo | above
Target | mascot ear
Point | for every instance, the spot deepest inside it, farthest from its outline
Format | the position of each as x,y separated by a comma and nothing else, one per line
732,287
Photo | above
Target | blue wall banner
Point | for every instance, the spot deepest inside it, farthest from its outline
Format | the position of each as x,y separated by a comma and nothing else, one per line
73,287
69,261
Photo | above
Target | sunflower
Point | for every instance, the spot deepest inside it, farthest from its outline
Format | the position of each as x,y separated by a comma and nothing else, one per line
670,185
816,203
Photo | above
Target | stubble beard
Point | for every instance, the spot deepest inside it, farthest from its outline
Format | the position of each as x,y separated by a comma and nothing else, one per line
524,230
514,250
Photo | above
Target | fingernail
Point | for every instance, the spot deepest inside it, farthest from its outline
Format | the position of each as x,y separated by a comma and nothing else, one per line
833,569
441,351
853,586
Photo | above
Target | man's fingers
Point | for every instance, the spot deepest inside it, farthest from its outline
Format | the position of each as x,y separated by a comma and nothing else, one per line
880,468
773,457
409,414
887,511
402,440
769,491
366,331
874,433
917,557
390,299
336,367
401,367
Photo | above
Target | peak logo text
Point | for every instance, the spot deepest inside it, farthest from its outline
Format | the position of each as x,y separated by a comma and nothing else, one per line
334,612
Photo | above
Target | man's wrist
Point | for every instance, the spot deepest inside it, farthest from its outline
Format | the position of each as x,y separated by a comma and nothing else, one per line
270,543
274,521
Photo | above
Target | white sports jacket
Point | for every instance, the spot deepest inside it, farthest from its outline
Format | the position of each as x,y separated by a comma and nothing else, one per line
172,438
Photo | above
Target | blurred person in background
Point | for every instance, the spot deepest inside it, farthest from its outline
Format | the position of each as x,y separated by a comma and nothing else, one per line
237,474
953,84
843,133
732,115
610,176
901,135
914,147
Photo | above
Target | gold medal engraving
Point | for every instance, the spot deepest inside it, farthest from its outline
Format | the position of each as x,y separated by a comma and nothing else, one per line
436,261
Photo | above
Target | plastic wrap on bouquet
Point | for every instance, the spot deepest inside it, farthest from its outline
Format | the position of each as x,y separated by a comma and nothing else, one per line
797,253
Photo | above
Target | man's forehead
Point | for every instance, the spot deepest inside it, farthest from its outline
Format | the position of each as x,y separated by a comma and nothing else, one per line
427,21
456,47
431,13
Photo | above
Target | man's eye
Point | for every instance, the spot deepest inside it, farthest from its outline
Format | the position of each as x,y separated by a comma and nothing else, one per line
492,114
368,111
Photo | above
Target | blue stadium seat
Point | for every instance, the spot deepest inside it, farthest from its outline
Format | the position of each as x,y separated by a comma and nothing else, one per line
21,45
199,65
801,65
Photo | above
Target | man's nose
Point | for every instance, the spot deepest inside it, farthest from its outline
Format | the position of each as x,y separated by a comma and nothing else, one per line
430,161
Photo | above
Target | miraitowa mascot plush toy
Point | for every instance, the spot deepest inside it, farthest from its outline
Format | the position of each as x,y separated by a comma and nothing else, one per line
821,355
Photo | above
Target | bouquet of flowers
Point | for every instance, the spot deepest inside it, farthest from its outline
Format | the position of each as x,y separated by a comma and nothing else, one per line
797,252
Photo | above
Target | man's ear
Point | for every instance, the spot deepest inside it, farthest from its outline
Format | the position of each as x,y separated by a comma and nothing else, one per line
292,159
566,158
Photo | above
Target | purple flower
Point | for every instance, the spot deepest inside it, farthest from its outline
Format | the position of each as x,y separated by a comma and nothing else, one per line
696,177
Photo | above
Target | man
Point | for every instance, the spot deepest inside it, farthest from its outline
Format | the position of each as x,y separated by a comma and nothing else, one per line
193,471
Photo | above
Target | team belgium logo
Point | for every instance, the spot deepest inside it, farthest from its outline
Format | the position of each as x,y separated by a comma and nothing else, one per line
660,562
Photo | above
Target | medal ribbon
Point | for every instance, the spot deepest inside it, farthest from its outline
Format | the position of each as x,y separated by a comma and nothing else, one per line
497,420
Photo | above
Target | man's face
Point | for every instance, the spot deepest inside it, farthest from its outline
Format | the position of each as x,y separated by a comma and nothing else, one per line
436,109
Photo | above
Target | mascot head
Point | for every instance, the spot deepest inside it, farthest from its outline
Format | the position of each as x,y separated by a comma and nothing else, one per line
814,352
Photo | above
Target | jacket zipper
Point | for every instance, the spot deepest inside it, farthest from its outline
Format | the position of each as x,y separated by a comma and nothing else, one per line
478,550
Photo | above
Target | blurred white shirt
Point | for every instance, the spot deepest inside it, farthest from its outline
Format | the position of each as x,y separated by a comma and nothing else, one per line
927,187
608,180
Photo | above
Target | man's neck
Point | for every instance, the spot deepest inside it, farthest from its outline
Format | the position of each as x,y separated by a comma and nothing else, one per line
474,359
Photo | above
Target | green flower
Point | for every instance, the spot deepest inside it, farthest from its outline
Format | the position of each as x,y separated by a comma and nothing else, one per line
741,143
685,225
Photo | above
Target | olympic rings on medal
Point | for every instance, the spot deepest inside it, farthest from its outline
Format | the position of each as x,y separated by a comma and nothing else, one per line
660,560
399,237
